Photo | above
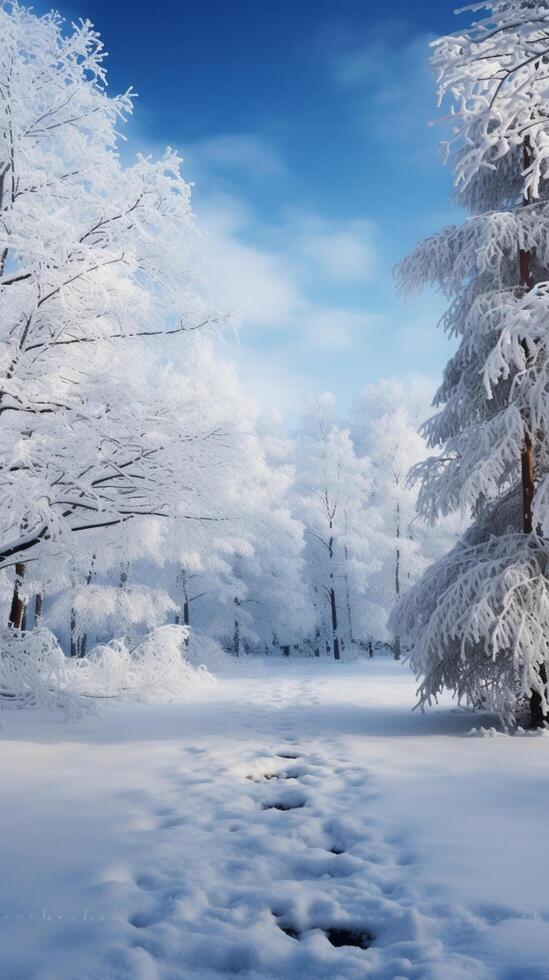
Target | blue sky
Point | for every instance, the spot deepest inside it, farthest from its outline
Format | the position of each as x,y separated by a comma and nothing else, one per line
304,126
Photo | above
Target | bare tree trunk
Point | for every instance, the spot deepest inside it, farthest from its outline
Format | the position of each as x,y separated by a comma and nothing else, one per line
316,647
82,641
17,611
236,634
186,608
347,587
348,601
333,608
527,476
537,716
396,644
236,638
73,638
38,607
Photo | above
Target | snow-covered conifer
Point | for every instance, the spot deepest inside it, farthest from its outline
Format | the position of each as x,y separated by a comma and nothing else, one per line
478,622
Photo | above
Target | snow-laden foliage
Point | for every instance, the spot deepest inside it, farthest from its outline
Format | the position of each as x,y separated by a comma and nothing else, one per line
495,74
155,669
476,622
93,255
34,672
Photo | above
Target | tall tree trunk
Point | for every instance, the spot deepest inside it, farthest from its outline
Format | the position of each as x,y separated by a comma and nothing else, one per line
527,476
527,453
333,608
236,634
186,608
17,611
236,638
38,607
537,716
82,639
396,644
73,637
316,646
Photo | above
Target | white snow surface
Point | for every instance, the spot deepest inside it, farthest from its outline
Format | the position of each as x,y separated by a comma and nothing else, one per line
140,845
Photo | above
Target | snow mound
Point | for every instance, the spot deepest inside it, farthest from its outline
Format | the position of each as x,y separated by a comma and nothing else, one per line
155,670
201,650
34,672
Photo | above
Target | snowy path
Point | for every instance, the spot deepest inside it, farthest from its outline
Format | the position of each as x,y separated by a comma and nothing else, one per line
252,830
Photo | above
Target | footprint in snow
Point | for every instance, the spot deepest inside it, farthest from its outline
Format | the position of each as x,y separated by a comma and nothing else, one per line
338,936
291,800
334,866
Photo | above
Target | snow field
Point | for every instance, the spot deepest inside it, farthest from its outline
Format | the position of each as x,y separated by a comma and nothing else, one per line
252,829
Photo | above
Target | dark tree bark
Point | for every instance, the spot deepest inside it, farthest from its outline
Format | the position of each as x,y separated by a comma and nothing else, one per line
527,477
73,638
333,608
236,634
537,716
38,607
236,638
396,645
82,640
17,610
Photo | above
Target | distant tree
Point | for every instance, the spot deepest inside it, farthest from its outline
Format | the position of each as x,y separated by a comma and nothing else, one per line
330,494
384,429
478,621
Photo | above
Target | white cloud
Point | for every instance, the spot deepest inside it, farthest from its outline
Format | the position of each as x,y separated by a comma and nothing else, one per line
269,378
258,282
336,329
240,153
343,251
269,283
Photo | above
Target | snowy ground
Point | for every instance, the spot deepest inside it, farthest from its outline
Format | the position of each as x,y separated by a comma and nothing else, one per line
181,841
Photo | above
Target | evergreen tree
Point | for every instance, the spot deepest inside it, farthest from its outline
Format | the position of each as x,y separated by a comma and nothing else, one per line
478,621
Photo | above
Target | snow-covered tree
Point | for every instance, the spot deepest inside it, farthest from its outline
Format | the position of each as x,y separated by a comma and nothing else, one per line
94,258
478,622
331,490
384,429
